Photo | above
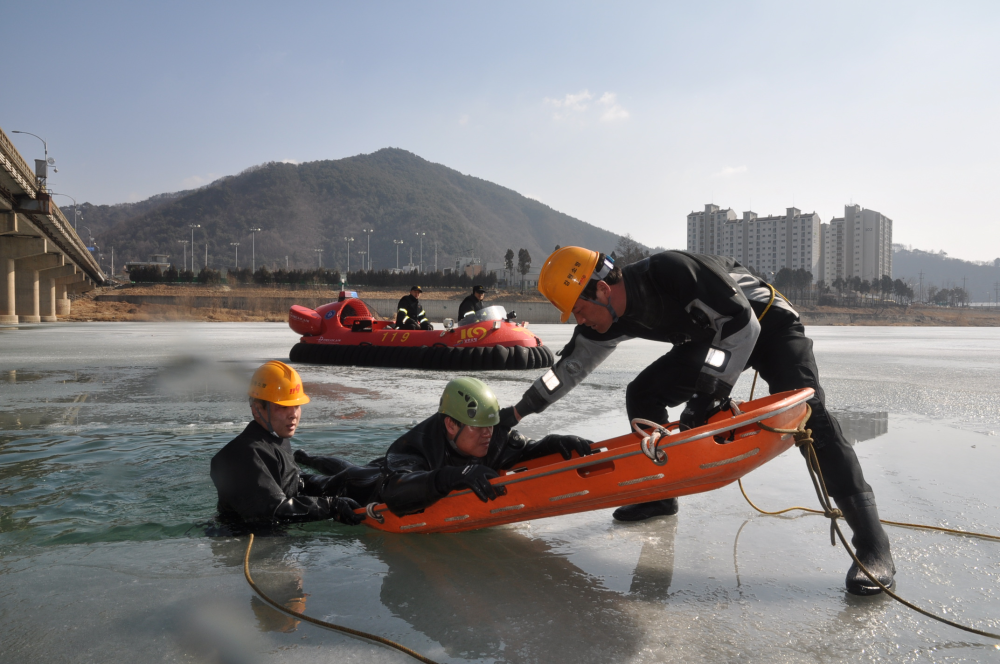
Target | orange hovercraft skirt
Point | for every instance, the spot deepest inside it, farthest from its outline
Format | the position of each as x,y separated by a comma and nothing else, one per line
620,473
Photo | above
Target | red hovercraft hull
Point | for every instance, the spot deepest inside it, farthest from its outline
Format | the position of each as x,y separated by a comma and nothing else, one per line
348,333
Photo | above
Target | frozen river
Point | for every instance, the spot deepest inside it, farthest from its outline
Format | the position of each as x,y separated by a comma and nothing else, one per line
106,431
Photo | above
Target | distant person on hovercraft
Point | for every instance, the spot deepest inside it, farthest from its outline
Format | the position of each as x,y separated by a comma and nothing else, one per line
410,314
255,475
720,319
462,446
472,303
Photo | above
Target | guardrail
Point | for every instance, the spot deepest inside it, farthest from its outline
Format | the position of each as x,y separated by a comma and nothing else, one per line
17,167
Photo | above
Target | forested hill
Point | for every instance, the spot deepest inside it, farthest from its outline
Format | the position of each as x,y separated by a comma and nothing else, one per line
941,271
305,207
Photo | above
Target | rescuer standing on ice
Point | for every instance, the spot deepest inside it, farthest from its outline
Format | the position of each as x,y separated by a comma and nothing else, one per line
707,307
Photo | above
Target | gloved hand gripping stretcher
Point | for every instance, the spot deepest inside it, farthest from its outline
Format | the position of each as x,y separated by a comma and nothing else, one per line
636,467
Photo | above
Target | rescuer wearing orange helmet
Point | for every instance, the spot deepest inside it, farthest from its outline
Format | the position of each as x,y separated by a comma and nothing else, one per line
711,309
255,474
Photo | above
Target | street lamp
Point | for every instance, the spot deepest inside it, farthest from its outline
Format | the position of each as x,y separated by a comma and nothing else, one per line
253,249
237,245
319,258
192,227
421,236
368,232
74,205
362,254
184,243
397,243
45,147
349,240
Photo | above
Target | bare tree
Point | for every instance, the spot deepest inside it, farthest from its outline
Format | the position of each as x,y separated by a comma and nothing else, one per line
628,250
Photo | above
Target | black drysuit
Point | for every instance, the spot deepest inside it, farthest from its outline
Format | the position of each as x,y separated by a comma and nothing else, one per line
410,314
405,478
469,305
707,307
258,481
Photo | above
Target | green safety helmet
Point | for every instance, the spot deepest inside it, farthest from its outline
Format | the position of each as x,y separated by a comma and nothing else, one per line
470,401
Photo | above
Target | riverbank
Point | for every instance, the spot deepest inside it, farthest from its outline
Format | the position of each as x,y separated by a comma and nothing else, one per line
164,302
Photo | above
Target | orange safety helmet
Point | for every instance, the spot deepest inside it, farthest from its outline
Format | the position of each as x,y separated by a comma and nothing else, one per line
278,383
564,275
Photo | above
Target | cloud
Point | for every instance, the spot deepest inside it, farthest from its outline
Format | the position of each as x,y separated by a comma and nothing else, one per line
578,105
615,112
196,181
294,162
729,171
463,120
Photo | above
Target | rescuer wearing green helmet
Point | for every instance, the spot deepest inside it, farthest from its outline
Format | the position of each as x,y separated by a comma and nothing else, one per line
462,446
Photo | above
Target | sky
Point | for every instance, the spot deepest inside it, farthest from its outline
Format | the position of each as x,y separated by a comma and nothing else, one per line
627,115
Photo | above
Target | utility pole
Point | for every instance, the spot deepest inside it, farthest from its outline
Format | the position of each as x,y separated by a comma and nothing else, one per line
253,249
368,232
192,227
206,253
184,244
397,243
319,258
435,255
421,236
349,240
237,245
921,286
965,299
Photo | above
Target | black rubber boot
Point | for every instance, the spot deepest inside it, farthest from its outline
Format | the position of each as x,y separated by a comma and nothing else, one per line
870,544
642,511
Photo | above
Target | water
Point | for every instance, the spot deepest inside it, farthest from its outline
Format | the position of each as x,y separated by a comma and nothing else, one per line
106,431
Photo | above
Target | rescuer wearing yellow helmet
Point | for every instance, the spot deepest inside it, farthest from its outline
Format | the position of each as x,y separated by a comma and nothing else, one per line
711,309
255,474
462,446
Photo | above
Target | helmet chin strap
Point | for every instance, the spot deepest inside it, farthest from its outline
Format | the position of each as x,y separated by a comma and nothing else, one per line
267,419
606,305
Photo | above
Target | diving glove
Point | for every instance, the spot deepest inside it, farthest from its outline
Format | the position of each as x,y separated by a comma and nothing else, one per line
564,445
474,476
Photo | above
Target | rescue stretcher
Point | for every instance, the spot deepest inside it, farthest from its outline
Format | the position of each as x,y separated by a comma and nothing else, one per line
649,464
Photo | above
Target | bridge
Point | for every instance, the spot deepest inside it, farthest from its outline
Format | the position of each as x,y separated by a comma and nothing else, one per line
42,259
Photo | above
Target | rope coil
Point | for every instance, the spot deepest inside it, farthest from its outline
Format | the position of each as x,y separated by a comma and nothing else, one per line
648,442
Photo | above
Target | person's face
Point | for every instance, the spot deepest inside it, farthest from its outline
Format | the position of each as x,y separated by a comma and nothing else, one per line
415,293
471,441
284,419
480,296
593,315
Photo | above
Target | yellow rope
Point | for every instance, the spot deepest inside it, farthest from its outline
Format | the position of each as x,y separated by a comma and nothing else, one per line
803,438
301,616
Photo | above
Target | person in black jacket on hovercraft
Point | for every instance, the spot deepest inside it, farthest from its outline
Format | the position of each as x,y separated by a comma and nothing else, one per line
712,309
472,303
410,314
462,446
255,475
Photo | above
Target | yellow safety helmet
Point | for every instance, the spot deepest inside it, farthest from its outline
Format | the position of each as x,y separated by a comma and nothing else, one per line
564,275
278,383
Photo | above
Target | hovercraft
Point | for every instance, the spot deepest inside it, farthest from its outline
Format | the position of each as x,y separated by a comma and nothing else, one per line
348,332
634,468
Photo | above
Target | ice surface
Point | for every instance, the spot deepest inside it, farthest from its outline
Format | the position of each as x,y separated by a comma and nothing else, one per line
106,431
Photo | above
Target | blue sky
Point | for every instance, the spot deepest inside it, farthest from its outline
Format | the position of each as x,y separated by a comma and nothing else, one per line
627,115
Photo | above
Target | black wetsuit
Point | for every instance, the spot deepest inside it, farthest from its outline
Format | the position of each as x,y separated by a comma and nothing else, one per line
410,314
469,305
404,479
258,481
707,307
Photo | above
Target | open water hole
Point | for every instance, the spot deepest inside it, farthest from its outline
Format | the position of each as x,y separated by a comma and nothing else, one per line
106,431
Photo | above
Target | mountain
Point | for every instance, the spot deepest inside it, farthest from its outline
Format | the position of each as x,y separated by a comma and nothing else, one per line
301,208
942,271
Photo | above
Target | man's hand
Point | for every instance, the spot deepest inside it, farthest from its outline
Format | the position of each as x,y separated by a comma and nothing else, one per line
474,476
565,445
699,408
342,510
509,417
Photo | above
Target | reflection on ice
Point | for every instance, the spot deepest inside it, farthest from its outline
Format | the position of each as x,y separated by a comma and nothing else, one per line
859,427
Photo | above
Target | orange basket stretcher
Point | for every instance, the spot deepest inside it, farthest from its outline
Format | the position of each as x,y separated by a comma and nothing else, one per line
634,468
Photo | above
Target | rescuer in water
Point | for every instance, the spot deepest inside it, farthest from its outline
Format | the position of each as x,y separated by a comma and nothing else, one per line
462,446
410,314
255,474
708,308
472,303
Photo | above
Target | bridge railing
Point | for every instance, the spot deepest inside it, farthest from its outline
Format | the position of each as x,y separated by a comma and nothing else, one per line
17,167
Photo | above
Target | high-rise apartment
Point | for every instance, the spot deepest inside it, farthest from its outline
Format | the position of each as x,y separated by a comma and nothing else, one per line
859,244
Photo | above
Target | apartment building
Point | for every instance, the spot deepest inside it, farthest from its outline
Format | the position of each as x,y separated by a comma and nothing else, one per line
767,244
859,244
